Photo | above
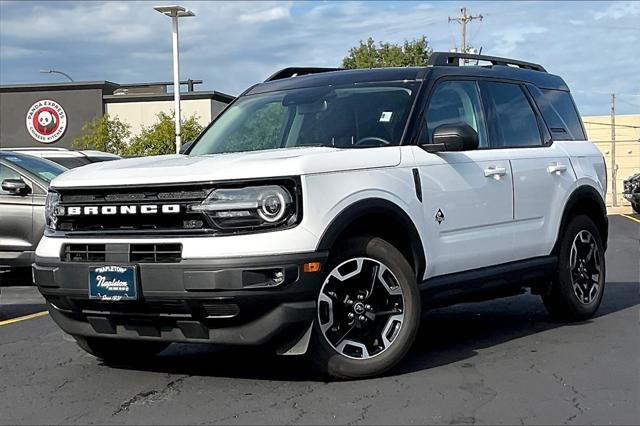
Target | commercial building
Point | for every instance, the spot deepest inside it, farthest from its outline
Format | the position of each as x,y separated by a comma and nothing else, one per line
53,114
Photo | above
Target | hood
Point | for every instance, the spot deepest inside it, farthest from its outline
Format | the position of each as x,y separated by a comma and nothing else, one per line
165,169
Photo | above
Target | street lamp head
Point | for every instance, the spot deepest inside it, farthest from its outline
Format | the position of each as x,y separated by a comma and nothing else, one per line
46,71
174,11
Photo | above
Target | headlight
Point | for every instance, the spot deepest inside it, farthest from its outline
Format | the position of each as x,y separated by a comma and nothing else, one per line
251,207
51,210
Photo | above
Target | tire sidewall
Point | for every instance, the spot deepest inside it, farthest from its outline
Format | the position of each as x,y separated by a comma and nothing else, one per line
564,285
340,366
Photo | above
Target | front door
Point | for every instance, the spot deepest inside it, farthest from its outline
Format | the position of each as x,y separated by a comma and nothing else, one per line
467,196
16,217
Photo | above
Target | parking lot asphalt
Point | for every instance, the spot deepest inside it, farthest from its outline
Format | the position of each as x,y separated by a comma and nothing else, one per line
503,361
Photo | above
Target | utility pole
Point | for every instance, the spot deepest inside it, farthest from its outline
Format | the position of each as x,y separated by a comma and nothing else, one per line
463,20
614,166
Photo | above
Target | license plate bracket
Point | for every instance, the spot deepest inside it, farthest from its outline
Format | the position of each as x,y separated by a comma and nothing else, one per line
113,283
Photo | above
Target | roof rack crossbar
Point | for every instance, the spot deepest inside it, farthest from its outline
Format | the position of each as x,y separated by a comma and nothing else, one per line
451,59
295,71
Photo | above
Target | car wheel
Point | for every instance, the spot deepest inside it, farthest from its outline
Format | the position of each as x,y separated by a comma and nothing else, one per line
118,350
368,310
636,207
578,287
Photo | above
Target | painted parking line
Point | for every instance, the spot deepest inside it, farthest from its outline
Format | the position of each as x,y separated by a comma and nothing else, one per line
635,219
26,317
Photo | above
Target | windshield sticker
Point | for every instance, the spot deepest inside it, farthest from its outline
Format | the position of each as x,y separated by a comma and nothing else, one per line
48,176
386,116
14,159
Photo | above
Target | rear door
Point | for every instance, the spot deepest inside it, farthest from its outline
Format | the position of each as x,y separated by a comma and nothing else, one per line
542,172
467,196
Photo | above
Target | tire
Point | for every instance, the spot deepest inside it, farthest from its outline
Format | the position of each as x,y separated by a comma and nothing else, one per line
388,307
565,301
118,350
636,207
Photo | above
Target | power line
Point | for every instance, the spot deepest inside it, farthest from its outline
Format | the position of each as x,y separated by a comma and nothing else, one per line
609,124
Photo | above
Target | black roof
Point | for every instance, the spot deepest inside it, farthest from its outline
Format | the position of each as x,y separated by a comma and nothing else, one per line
438,67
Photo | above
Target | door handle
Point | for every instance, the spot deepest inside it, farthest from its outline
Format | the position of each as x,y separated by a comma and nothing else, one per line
556,168
495,172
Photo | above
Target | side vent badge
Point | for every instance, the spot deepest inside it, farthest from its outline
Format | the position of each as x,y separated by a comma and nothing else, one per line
439,216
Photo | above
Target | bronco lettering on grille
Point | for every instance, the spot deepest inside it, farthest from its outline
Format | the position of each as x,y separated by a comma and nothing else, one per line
127,209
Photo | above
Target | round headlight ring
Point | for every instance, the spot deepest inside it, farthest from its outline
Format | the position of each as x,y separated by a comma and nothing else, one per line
272,206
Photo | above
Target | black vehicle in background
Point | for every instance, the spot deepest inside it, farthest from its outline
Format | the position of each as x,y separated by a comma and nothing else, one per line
632,191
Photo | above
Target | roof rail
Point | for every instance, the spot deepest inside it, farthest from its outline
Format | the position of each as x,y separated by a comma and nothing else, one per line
449,58
295,71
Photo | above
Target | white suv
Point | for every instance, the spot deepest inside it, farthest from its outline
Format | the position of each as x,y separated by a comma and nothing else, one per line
324,210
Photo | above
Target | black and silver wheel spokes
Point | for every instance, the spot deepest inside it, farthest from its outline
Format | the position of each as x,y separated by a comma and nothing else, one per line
361,308
584,267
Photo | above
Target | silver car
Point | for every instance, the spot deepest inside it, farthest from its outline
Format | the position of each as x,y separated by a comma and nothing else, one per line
24,180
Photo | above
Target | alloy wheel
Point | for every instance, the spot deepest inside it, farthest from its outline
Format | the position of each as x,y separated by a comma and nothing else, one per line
361,308
584,267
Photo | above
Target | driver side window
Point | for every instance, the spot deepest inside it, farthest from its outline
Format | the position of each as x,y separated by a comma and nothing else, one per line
455,102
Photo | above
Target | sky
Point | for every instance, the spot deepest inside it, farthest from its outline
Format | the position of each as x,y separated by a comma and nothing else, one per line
594,46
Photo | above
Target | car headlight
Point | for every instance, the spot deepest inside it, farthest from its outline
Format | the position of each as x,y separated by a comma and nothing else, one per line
250,207
51,210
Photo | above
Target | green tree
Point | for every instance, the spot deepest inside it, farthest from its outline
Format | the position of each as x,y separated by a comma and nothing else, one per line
159,138
368,55
104,134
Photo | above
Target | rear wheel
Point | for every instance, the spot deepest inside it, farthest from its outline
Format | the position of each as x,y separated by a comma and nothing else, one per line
119,350
577,289
368,310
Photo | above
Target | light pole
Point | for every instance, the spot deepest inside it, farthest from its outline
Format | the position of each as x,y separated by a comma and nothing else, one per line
56,72
175,12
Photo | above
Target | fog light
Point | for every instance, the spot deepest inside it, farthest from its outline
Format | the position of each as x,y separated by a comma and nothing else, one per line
278,278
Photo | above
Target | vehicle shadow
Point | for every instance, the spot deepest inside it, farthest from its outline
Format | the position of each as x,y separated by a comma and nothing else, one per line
446,335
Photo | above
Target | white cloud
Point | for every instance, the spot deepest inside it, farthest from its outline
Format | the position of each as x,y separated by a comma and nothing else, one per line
231,45
267,15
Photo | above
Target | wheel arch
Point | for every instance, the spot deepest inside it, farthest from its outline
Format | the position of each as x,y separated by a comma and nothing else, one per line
588,201
365,216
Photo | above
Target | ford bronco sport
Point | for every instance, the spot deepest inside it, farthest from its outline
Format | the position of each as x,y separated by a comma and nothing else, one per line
325,209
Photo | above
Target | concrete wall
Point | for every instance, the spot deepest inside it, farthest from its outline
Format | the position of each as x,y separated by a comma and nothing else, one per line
627,148
144,113
79,105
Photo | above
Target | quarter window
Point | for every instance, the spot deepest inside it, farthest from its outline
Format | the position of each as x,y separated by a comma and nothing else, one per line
559,112
511,120
455,102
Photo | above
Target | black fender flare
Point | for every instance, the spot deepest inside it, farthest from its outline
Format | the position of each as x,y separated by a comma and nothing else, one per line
375,206
579,195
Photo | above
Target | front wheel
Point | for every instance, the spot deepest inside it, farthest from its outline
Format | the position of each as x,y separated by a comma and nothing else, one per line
636,207
577,289
368,310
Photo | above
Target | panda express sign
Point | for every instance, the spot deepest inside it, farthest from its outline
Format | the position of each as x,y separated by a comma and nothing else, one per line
46,121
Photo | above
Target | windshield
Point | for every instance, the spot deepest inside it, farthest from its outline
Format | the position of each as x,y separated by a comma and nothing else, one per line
46,170
353,116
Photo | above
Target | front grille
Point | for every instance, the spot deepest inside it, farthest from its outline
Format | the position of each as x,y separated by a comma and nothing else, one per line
155,253
84,253
128,253
132,219
168,307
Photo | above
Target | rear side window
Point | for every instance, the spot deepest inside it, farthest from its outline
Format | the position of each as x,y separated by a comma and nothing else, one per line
559,112
510,118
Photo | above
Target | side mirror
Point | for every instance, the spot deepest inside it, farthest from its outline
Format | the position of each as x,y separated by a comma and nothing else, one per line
15,187
185,146
453,137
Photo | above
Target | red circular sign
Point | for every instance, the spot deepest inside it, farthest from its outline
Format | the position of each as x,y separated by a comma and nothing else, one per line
46,121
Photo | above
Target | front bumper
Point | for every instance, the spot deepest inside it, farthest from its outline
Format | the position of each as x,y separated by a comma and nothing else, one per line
206,300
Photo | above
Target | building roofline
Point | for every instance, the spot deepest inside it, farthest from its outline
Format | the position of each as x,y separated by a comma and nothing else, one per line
151,97
104,85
